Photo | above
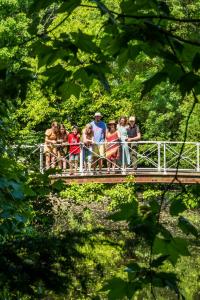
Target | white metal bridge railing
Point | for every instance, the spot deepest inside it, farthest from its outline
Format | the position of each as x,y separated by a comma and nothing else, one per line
155,156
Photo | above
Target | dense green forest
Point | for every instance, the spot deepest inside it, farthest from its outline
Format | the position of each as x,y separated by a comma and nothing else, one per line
63,61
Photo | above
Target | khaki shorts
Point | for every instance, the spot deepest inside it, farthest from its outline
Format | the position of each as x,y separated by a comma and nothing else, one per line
50,149
99,150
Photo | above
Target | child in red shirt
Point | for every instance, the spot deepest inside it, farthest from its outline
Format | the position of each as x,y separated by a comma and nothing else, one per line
74,149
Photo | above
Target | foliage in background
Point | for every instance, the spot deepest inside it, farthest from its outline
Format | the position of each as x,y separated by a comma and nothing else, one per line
65,60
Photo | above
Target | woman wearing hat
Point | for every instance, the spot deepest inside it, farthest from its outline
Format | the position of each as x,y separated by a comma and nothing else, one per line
112,145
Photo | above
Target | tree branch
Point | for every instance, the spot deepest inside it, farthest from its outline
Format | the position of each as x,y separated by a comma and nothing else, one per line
144,17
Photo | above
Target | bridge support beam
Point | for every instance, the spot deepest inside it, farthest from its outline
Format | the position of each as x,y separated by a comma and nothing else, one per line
140,178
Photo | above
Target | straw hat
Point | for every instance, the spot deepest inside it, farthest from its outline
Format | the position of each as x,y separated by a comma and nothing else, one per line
98,114
112,122
131,118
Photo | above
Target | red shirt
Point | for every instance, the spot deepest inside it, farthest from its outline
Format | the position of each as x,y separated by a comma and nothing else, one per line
73,139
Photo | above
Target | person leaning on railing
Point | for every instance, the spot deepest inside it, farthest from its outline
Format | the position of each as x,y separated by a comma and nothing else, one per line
62,148
50,148
134,135
112,145
124,151
74,150
88,141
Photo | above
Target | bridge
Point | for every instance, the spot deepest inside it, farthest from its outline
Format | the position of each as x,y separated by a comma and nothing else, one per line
157,162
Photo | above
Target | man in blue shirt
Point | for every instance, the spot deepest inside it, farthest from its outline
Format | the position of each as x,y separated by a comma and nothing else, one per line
99,129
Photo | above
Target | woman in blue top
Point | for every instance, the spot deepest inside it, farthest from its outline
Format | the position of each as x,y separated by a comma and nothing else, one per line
124,153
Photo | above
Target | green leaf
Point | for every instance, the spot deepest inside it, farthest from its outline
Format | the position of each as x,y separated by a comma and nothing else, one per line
165,232
164,8
85,42
69,6
159,261
181,246
127,210
167,280
49,54
152,82
123,57
117,288
176,207
38,5
82,75
196,62
128,53
187,227
155,207
132,267
69,88
128,6
187,82
173,248
56,75
160,246
59,185
174,72
98,71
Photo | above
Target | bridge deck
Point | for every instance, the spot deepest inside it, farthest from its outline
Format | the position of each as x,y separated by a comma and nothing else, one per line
137,176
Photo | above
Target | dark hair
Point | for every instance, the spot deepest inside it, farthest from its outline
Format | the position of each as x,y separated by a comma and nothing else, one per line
75,127
62,126
112,122
109,126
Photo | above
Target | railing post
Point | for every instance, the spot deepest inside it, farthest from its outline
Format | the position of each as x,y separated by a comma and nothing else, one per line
198,152
81,159
164,153
41,158
123,159
159,167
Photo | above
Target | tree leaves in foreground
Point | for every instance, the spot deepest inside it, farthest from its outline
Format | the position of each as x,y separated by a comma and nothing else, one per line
65,63
160,244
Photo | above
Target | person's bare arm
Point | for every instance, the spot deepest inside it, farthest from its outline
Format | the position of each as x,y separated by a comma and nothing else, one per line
47,140
136,138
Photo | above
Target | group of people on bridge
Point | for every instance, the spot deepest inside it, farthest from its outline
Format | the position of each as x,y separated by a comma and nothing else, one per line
97,142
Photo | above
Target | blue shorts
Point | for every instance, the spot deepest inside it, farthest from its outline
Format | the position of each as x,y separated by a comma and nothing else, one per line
73,157
87,153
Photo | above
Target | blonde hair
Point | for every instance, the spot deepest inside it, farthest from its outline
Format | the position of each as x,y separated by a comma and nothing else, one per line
85,130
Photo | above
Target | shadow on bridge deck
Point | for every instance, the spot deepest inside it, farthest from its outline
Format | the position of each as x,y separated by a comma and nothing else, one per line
134,176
